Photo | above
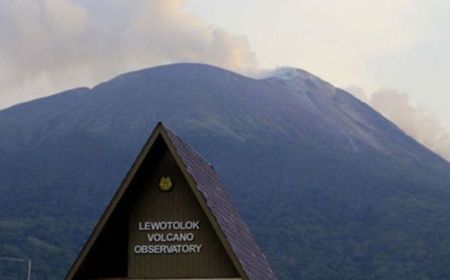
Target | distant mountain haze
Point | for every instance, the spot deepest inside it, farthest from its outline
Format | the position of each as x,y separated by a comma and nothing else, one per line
330,188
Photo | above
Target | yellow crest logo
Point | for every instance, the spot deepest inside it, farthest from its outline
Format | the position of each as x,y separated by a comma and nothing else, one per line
165,183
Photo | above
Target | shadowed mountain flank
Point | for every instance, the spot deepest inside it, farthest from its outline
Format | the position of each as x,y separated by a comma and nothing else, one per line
330,188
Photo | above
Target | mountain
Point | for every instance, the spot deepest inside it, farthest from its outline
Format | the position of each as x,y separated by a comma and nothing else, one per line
330,188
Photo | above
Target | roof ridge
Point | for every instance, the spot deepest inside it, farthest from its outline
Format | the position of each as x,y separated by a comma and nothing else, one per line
226,213
174,135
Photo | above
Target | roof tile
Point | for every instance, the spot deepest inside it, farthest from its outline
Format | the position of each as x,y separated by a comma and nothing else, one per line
235,230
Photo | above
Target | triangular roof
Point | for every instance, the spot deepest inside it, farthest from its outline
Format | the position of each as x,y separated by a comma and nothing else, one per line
224,217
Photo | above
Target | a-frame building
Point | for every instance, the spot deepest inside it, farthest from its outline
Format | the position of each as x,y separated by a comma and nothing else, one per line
170,219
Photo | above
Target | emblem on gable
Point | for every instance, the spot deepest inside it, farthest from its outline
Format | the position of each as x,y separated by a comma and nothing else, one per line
165,183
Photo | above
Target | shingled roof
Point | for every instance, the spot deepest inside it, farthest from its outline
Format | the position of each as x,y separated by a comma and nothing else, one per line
234,234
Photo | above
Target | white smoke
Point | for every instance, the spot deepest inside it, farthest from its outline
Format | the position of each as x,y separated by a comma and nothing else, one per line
52,45
418,122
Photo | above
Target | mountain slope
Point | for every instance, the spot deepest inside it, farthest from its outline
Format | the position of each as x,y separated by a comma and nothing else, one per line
331,189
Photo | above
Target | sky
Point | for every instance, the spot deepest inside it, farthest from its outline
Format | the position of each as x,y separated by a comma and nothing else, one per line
391,54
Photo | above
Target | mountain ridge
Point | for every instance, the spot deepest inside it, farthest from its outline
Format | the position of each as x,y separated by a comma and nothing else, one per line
304,161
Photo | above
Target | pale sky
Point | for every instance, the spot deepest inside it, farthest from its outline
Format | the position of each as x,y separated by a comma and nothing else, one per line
401,44
385,52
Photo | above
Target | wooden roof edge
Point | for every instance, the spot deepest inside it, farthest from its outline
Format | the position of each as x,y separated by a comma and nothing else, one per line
202,201
114,201
229,244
